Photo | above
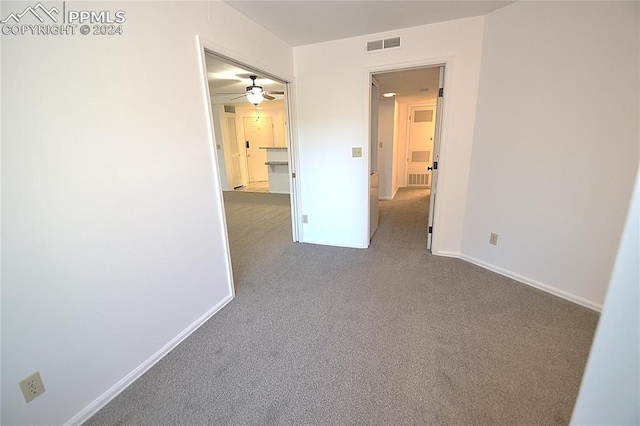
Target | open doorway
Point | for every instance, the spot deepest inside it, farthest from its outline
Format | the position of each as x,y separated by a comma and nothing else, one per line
254,156
408,148
249,133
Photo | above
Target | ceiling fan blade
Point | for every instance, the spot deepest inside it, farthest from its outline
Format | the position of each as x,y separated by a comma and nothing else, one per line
238,97
267,96
275,92
229,93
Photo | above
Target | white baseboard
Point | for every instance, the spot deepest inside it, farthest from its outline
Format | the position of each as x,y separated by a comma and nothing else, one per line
116,389
389,197
525,280
332,244
395,191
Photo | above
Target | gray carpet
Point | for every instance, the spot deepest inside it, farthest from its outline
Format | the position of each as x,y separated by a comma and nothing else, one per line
389,335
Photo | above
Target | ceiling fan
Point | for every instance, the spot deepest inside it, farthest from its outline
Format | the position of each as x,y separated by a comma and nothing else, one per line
256,94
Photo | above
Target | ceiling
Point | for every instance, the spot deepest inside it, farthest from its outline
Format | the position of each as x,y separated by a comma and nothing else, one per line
414,85
228,83
301,22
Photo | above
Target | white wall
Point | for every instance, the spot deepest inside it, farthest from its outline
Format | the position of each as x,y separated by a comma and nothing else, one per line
386,127
610,391
401,138
112,232
332,99
556,143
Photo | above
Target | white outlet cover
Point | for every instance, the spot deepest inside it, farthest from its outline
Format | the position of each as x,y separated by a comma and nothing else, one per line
32,387
356,152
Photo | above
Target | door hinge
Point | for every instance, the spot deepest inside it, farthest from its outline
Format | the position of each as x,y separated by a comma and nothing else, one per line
293,175
431,229
441,92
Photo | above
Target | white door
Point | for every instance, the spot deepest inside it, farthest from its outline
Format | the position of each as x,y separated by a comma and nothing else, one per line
257,132
420,146
374,177
436,157
235,156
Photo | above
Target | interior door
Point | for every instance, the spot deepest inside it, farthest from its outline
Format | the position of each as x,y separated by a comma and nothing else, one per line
420,146
374,176
258,131
436,157
235,156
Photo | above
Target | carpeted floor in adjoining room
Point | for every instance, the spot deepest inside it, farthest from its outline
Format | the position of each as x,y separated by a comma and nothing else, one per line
390,335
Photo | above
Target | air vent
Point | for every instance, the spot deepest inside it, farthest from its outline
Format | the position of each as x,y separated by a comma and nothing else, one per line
420,156
387,43
375,45
423,115
392,42
418,179
230,108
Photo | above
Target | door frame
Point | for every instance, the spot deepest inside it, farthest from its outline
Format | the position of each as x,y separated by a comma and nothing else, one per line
205,45
374,175
445,62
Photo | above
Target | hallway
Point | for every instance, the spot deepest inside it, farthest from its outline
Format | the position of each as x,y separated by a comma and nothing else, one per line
403,220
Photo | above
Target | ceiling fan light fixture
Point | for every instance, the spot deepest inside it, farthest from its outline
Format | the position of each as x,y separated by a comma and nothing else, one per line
255,98
254,93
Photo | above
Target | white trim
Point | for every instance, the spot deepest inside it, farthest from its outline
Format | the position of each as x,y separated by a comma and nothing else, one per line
238,56
447,62
525,280
395,191
333,244
204,45
385,197
242,60
447,254
116,389
294,160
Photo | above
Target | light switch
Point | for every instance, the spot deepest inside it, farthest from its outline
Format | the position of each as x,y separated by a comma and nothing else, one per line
356,152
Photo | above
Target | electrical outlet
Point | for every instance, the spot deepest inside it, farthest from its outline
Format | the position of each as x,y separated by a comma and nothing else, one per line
305,218
356,152
32,387
493,239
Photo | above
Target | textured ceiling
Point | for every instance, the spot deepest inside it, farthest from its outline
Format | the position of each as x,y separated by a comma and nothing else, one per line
227,82
305,22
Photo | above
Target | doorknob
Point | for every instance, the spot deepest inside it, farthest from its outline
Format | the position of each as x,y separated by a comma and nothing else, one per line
429,168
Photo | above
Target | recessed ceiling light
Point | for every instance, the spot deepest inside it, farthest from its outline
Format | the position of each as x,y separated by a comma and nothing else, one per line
389,95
